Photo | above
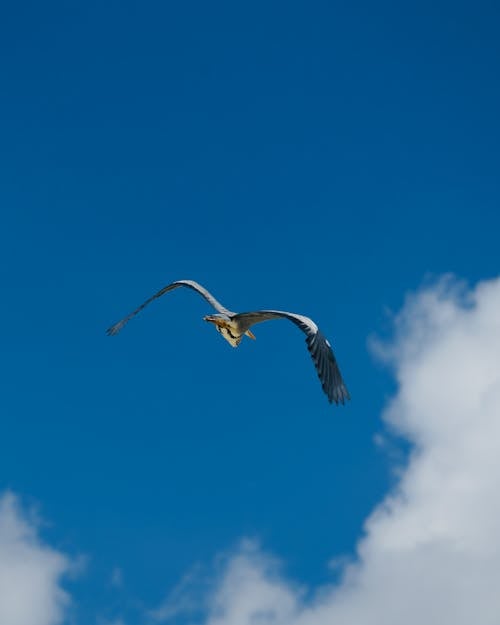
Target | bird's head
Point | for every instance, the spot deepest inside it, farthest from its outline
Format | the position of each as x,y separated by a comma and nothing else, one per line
218,320
221,323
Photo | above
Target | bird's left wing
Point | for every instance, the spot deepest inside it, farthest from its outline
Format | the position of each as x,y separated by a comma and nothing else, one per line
191,284
318,346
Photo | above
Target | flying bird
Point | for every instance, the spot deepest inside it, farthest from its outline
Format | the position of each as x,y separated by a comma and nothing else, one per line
233,326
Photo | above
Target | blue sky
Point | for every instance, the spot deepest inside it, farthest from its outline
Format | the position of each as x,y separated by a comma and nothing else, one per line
324,159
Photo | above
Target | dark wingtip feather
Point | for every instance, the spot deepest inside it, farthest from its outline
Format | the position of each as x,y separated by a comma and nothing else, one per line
327,368
115,329
340,394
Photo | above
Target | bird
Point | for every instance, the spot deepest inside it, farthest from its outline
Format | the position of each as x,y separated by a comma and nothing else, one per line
233,326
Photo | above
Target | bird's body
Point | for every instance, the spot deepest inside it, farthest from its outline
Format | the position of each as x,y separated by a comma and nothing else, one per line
234,326
230,329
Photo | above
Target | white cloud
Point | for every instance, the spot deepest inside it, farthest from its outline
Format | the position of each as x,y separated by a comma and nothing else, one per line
182,599
431,550
30,571
117,577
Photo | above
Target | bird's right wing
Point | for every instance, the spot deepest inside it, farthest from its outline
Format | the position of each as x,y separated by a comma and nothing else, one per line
318,346
191,284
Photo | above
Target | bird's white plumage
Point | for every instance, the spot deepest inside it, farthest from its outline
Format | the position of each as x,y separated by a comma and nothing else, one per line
309,323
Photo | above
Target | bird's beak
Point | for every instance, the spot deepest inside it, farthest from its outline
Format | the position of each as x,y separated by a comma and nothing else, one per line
249,334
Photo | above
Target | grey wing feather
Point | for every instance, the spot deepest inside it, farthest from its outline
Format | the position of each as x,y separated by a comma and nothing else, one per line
318,346
191,284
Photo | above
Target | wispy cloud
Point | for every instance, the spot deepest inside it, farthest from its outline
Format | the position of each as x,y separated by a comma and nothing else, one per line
187,598
431,550
31,572
116,579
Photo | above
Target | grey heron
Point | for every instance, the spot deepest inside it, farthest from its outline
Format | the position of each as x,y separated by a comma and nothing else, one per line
233,326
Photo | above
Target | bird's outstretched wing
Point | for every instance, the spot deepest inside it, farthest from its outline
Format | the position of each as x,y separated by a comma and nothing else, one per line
191,284
318,346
